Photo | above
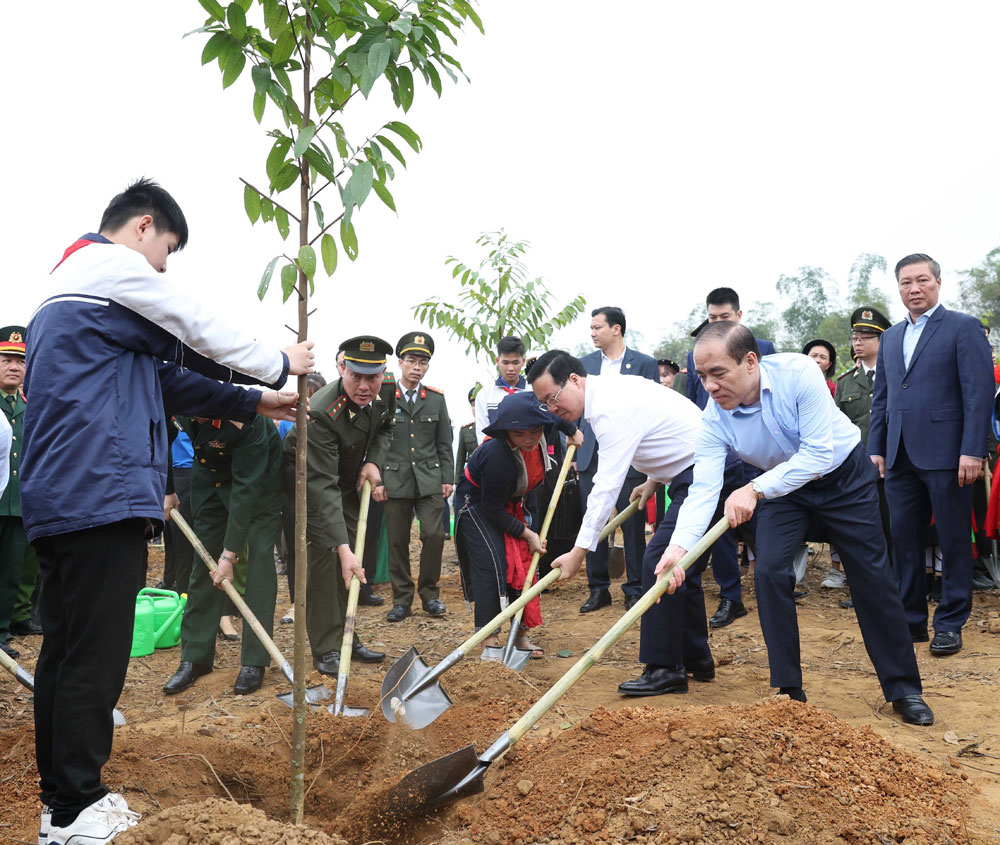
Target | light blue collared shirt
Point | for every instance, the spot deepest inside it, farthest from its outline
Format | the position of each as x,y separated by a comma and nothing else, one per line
795,433
912,332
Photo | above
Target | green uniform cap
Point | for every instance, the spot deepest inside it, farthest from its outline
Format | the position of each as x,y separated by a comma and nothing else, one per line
12,340
868,319
415,343
365,354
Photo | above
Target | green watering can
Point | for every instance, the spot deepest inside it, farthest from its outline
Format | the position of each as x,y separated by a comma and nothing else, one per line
143,632
168,607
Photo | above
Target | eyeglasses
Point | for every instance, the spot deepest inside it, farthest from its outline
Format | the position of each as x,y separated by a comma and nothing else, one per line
554,401
862,336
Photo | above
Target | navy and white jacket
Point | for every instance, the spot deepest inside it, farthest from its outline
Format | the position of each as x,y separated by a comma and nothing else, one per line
110,354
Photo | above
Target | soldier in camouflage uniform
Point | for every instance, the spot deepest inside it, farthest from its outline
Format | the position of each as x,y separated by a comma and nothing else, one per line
418,477
350,426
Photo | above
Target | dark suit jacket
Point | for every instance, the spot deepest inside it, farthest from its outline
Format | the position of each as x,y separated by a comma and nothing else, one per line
633,364
940,405
696,393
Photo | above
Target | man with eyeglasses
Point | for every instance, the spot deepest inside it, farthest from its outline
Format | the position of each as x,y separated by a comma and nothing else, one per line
639,424
418,473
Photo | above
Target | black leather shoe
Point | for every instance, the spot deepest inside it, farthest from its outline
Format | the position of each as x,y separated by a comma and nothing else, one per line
946,642
369,597
794,693
398,613
630,602
187,673
250,679
982,582
919,635
657,680
729,611
329,663
25,628
914,710
10,651
847,604
435,607
702,670
598,599
366,655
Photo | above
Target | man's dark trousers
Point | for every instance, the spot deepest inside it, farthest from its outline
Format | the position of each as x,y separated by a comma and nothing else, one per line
87,613
675,631
398,518
844,503
913,495
12,543
178,554
633,534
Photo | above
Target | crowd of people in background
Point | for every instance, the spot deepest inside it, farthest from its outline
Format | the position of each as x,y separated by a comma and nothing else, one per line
887,460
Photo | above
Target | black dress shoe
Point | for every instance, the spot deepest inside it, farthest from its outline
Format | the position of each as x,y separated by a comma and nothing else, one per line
630,602
914,710
946,642
701,670
847,604
398,613
25,628
919,635
187,673
598,598
434,607
366,655
10,651
249,680
794,693
329,663
369,597
729,611
657,680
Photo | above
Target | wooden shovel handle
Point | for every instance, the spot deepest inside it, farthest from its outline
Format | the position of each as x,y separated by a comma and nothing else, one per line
347,643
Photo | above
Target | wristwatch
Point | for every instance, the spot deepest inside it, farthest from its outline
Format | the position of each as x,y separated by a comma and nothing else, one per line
756,490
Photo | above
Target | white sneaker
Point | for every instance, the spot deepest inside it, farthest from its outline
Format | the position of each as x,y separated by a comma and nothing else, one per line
44,826
834,580
102,821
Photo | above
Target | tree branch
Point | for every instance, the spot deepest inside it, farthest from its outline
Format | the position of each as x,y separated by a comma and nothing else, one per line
268,198
322,231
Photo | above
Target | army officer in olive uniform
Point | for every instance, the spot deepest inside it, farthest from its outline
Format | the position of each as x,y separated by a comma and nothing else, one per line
854,388
236,505
350,426
418,477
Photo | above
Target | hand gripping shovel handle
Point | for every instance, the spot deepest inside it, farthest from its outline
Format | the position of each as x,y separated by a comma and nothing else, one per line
233,593
347,644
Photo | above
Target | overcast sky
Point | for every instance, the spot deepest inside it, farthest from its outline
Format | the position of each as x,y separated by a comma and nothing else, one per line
649,153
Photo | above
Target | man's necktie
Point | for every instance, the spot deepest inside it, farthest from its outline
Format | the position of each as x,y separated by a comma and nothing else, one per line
871,378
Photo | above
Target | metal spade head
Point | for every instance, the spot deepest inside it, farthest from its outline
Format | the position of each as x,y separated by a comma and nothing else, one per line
345,710
315,696
118,718
415,709
449,778
514,657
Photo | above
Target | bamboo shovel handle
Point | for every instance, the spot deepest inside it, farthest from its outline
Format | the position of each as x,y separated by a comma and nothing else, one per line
231,591
347,643
598,650
515,606
609,529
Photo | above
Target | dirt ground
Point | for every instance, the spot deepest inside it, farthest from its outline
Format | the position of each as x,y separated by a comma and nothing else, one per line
727,762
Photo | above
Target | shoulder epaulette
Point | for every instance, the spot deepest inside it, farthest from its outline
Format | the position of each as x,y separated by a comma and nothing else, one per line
434,389
469,425
334,410
388,378
847,373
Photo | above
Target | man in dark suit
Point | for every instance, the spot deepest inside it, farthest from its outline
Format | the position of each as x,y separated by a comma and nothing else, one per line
613,357
930,416
723,305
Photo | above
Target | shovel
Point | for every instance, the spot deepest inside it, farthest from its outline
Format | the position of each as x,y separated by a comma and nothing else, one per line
411,692
347,643
26,679
510,655
460,774
314,695
991,561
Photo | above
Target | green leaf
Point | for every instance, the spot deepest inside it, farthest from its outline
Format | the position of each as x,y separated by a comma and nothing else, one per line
237,21
360,183
407,134
251,202
405,80
304,140
321,164
214,9
288,276
564,652
383,194
565,726
392,148
234,67
259,102
366,82
307,261
266,210
433,77
284,47
349,239
356,62
318,209
331,7
378,58
281,221
265,280
286,177
213,47
403,24
328,249
261,76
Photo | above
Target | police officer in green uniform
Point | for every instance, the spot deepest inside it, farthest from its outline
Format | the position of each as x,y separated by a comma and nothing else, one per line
350,426
12,537
467,442
236,505
854,388
418,477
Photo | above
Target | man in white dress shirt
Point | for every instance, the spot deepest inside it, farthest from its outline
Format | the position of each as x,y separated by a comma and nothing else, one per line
639,424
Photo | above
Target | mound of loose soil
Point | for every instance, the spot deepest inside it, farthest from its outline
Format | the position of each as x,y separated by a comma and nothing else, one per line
223,823
717,774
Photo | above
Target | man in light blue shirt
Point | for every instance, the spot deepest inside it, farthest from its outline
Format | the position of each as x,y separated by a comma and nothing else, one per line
777,414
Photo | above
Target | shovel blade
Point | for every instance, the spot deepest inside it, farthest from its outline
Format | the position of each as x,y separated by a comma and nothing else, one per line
400,703
348,711
449,778
517,659
315,696
118,718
